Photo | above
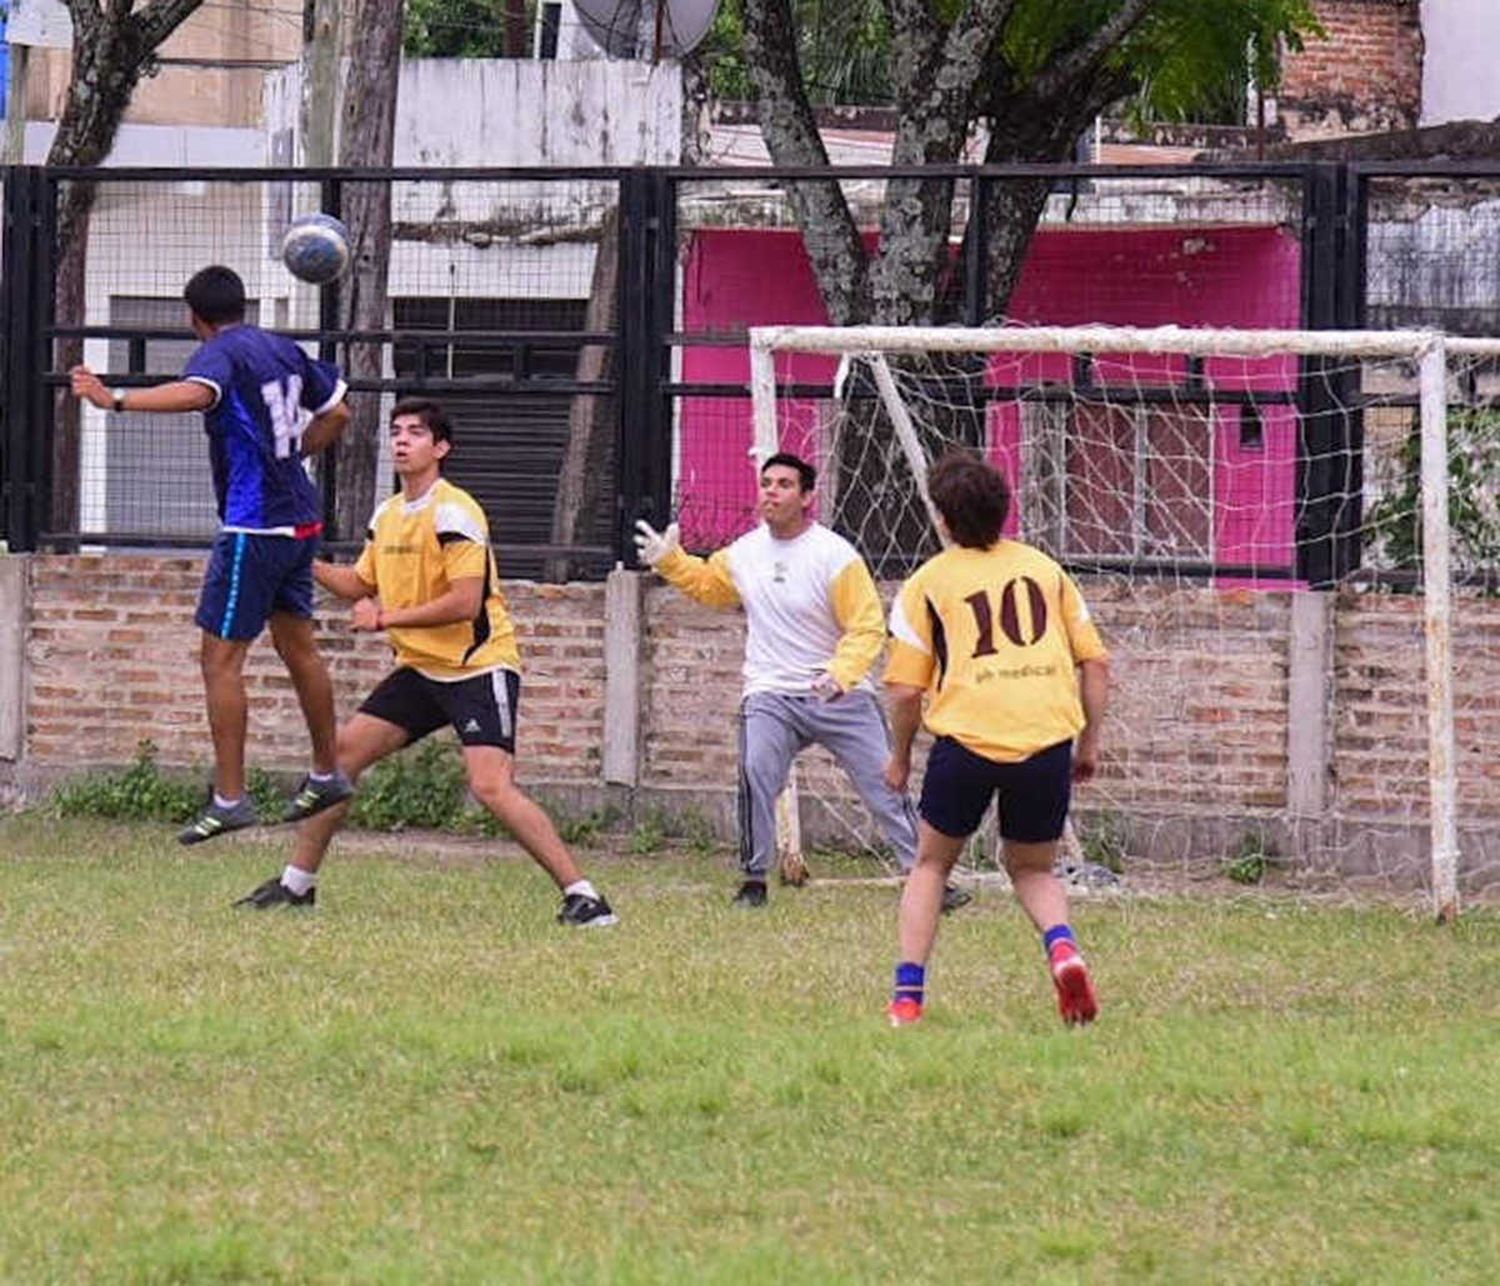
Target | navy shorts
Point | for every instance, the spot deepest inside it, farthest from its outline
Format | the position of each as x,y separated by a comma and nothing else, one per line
249,577
1032,795
482,710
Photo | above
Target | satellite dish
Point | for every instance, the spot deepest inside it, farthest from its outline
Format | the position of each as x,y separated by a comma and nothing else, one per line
646,28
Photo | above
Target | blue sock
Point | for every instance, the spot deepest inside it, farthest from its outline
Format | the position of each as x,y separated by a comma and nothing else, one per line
910,981
1058,933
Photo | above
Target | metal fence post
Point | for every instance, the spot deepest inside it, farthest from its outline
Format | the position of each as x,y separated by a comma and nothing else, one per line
1330,464
24,278
647,294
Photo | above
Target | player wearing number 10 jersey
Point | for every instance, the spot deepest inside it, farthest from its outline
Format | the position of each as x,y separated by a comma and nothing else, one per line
266,405
997,638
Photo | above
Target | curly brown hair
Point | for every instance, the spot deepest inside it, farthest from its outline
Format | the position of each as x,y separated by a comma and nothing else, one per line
973,497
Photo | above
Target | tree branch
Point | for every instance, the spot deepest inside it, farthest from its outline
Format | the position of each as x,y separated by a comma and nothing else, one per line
87,17
161,18
1062,72
786,122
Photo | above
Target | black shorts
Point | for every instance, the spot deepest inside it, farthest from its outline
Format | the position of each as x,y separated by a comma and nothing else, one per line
482,710
1032,795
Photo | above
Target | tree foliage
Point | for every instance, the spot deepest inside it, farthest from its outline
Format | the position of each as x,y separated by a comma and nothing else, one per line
1025,76
465,28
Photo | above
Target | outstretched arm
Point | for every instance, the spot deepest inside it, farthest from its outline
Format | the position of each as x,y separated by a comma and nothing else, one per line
706,580
178,396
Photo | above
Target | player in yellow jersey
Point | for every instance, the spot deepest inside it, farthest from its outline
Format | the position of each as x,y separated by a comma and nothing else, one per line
427,577
997,639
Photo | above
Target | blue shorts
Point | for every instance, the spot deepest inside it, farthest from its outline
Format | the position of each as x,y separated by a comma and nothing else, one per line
249,577
1032,795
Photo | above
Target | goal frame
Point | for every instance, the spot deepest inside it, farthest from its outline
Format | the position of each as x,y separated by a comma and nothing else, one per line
1428,350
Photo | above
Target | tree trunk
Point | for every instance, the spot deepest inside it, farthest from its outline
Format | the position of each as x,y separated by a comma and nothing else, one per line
833,242
368,141
110,49
586,459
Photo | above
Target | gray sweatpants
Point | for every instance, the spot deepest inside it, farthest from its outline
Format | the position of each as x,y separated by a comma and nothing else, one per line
775,726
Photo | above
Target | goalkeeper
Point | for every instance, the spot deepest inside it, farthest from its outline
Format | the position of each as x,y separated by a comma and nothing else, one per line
814,628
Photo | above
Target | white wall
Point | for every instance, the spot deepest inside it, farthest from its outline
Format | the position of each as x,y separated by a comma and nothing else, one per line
1460,76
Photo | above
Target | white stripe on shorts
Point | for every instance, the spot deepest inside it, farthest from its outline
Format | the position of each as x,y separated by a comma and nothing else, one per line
502,700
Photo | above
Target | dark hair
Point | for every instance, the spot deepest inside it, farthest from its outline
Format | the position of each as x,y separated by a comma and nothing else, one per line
806,474
431,413
972,496
216,295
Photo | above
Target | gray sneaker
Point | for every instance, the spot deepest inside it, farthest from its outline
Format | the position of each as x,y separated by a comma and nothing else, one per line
216,820
313,797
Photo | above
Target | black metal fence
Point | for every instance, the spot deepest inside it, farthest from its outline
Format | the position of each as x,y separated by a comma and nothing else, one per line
588,326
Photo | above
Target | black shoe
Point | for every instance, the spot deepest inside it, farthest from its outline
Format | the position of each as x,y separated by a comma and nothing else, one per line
274,893
313,797
215,820
954,898
752,893
584,912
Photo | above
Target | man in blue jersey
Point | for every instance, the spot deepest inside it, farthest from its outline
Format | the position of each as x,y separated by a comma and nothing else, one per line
266,405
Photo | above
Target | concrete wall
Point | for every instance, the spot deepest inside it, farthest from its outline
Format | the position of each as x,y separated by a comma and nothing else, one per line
192,87
1458,65
1199,746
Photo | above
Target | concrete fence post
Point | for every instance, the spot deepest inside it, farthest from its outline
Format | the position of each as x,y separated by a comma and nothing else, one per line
624,652
15,609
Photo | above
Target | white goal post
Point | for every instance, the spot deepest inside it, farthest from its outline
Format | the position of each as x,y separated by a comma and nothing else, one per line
892,355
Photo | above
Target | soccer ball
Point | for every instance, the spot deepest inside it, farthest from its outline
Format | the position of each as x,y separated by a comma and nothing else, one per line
316,248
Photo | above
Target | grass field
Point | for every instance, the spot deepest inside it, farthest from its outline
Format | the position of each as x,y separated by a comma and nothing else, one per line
429,1080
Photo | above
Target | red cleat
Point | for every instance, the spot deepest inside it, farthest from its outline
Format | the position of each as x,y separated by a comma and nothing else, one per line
1076,999
903,1012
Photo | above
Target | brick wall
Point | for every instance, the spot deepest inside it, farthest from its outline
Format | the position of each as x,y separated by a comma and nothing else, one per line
112,655
1380,728
1364,76
1195,746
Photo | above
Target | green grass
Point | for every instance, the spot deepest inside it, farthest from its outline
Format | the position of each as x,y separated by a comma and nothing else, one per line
429,1080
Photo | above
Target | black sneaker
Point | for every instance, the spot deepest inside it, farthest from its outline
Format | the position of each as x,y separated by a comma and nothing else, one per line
584,912
954,898
313,797
752,893
274,893
216,820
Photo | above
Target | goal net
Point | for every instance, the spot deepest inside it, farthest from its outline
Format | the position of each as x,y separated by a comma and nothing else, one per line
1291,543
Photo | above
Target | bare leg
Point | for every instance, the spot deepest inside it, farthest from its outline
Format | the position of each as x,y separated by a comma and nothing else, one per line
362,741
298,647
1040,893
922,899
223,663
492,779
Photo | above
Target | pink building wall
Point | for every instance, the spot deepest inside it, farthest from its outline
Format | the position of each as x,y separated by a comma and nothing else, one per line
1209,276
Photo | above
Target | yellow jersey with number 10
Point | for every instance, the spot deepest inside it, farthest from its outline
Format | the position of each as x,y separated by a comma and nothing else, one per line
413,553
995,636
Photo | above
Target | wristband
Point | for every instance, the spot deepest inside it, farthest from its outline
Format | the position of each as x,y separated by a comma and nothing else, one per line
118,394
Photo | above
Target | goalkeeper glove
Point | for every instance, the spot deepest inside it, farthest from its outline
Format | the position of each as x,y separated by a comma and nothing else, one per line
653,545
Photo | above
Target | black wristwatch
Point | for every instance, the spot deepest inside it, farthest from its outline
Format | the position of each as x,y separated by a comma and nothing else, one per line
118,394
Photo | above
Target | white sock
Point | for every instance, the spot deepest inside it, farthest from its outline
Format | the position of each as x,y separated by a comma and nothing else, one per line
227,803
315,775
583,888
298,880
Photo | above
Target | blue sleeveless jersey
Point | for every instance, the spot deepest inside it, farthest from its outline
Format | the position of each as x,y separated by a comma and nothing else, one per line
266,392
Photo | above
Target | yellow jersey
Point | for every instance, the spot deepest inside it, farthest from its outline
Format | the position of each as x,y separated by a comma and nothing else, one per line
995,636
413,553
